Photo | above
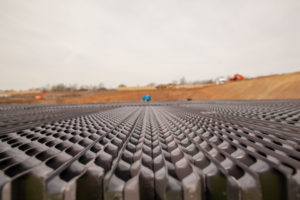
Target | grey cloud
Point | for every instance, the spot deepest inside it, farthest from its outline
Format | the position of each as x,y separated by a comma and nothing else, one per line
137,42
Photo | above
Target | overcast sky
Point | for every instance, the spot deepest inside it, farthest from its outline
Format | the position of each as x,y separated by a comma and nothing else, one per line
136,42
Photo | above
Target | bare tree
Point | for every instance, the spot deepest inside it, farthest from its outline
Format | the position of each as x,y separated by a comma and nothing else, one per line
58,87
151,84
73,87
83,88
101,86
182,81
122,85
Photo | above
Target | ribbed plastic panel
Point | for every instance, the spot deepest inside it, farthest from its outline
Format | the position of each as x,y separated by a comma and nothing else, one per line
172,150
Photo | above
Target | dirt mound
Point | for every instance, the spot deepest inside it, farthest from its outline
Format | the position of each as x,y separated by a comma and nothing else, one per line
285,86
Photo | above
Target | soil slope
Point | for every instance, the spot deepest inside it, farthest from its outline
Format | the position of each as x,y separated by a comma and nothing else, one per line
285,86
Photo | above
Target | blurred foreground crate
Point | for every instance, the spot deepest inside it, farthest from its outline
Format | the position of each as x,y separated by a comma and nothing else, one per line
170,150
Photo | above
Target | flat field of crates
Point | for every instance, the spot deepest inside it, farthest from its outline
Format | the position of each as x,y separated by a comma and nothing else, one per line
246,150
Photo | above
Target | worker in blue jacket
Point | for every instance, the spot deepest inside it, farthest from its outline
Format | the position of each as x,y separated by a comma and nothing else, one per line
146,98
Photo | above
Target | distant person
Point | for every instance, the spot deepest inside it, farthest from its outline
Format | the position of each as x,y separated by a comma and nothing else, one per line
146,98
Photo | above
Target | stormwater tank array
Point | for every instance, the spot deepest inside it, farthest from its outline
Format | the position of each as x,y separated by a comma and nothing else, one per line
243,150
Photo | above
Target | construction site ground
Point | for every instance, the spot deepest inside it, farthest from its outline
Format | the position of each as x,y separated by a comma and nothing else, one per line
285,86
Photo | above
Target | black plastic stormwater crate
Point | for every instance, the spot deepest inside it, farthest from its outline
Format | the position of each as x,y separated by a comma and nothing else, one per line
169,150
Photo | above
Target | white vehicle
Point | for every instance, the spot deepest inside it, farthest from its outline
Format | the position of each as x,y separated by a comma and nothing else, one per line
221,80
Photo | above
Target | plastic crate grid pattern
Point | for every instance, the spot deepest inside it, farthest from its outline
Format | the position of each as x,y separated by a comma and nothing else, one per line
172,150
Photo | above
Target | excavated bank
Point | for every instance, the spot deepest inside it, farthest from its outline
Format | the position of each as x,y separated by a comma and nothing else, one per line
170,150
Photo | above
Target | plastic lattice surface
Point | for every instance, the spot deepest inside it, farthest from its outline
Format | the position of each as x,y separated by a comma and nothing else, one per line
171,150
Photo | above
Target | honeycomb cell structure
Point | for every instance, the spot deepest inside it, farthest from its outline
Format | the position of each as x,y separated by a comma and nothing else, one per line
241,150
